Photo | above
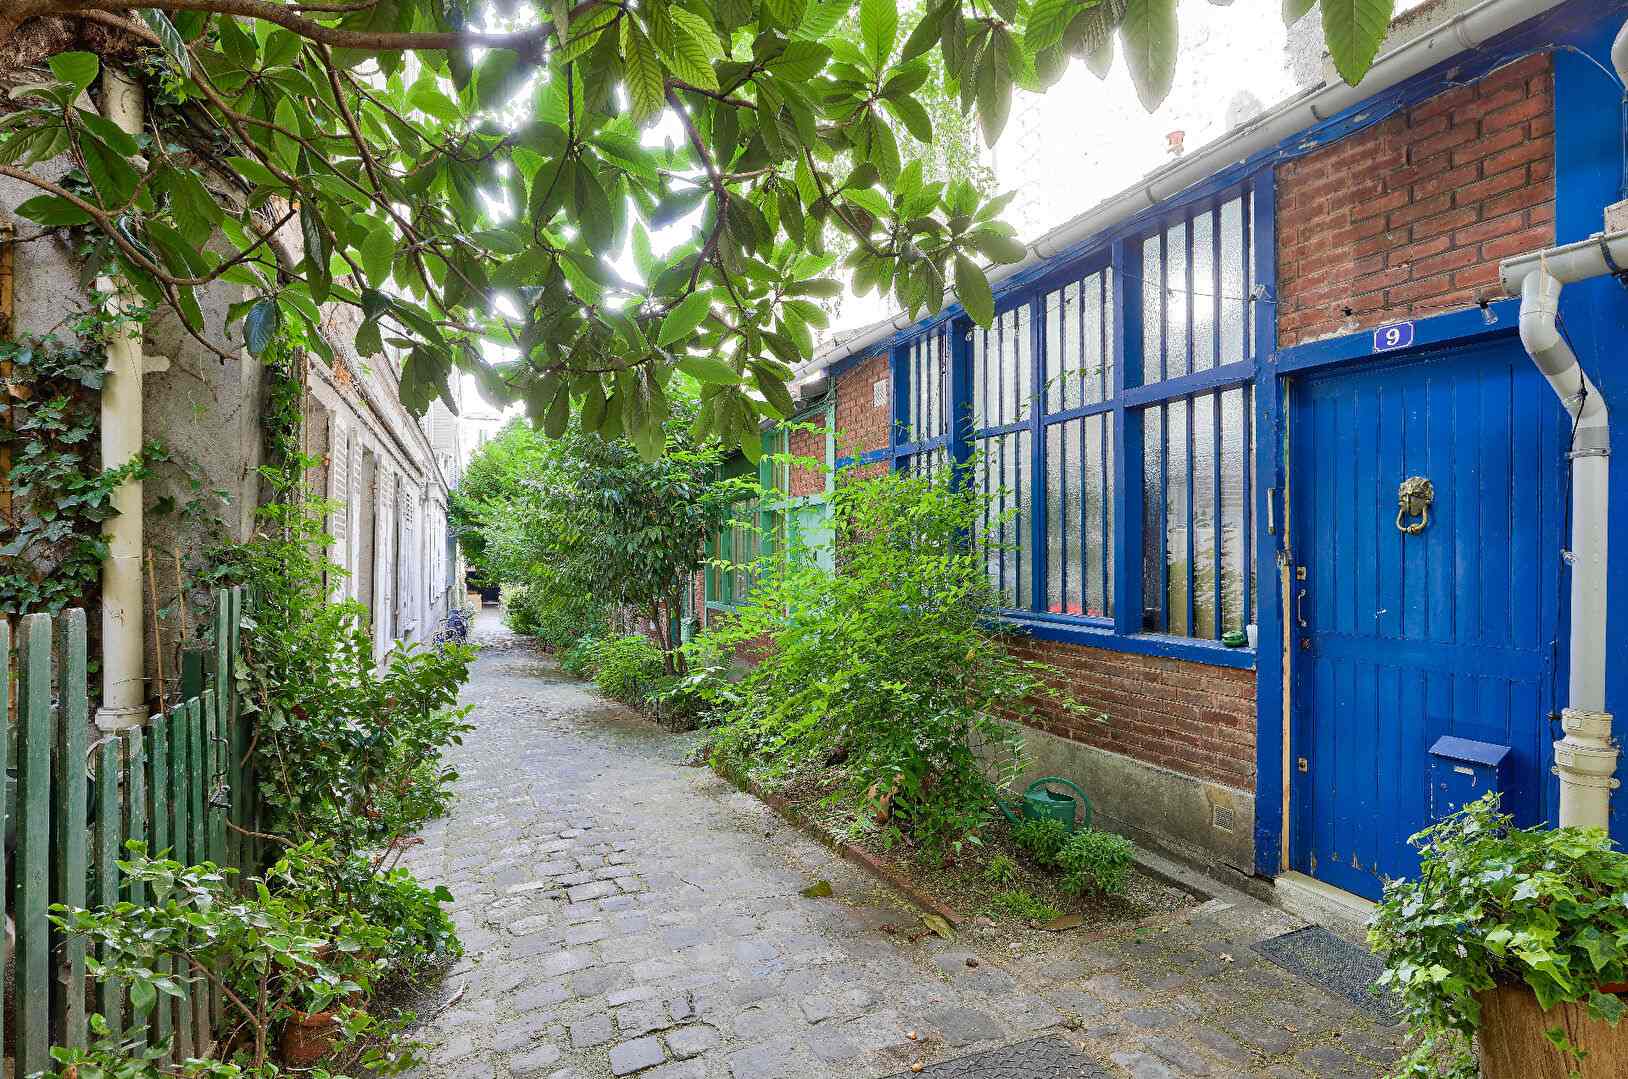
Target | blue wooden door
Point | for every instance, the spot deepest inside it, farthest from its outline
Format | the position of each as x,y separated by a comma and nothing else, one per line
1398,639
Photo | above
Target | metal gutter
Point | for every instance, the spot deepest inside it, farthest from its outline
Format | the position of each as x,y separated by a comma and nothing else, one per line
1465,31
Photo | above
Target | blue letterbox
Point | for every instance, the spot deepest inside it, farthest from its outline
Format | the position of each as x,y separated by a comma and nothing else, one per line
1462,770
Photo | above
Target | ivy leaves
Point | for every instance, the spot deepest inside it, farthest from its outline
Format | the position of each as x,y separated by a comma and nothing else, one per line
51,546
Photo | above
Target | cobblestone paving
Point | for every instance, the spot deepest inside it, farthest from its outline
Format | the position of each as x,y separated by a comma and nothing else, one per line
625,914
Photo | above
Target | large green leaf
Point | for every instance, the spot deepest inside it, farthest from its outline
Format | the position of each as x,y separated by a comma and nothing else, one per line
170,38
644,79
972,289
1151,39
77,69
682,320
705,369
260,325
1295,10
878,28
110,173
1354,31
53,212
378,251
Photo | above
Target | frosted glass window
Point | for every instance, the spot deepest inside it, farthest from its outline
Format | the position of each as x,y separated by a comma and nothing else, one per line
927,387
1002,473
1080,517
1197,458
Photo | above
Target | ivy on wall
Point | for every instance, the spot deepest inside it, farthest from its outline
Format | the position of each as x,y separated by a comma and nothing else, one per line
58,495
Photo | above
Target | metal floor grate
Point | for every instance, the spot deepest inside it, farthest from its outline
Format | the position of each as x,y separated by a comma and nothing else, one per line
1334,965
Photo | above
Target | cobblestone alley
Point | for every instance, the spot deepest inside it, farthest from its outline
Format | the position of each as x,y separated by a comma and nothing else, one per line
627,914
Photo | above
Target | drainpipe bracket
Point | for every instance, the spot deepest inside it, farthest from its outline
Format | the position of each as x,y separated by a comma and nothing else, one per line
1586,728
1598,451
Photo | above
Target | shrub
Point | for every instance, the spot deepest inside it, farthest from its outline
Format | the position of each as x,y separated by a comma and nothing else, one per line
1095,862
340,745
677,703
580,659
556,619
890,663
414,930
1043,839
268,950
626,667
1020,906
1001,870
1498,905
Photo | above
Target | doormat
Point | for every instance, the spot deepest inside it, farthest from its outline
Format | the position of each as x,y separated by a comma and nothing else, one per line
1335,965
1042,1058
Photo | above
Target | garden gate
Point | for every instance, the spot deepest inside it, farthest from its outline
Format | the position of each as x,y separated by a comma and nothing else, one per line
178,784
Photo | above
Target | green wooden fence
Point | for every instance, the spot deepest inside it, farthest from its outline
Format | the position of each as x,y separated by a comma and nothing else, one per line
174,783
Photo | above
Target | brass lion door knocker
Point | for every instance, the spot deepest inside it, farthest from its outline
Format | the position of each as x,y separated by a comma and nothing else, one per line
1413,499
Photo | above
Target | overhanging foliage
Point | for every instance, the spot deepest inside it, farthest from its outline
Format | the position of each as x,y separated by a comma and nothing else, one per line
457,172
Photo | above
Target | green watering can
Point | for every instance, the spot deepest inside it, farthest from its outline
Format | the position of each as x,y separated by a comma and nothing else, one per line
1039,802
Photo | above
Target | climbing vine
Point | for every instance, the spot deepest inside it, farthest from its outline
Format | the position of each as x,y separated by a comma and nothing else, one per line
56,494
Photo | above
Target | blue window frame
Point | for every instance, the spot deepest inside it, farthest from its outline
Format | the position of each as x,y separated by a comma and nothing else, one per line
922,413
1109,408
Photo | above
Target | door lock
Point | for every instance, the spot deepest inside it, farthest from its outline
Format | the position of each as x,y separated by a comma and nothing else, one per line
1301,764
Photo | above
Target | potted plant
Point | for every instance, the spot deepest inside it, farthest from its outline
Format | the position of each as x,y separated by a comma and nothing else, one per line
1517,937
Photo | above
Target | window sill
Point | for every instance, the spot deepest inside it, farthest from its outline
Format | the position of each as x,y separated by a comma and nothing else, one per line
1103,636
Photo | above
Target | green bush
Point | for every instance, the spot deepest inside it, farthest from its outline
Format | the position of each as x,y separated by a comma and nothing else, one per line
889,664
677,703
279,945
578,660
555,619
340,744
1018,905
1043,839
627,667
1096,862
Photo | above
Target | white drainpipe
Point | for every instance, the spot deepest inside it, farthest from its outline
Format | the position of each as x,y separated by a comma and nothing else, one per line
1586,757
124,690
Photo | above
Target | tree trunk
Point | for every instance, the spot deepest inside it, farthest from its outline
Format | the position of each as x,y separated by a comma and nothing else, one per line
680,666
663,636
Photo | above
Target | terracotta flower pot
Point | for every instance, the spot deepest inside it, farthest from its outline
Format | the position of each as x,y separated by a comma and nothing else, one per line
1513,1045
308,1037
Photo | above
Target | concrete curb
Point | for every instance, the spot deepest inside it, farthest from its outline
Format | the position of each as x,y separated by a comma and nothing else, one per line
848,851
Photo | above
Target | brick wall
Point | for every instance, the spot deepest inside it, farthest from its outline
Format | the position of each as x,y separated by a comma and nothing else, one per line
809,444
1411,216
862,425
1189,717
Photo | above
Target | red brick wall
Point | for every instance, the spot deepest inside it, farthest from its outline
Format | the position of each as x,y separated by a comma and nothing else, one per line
1192,718
1411,216
862,425
809,444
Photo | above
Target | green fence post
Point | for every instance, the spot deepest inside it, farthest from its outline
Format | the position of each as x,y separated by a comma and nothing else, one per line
135,817
32,954
244,848
72,839
158,758
198,772
192,672
108,845
200,708
180,834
